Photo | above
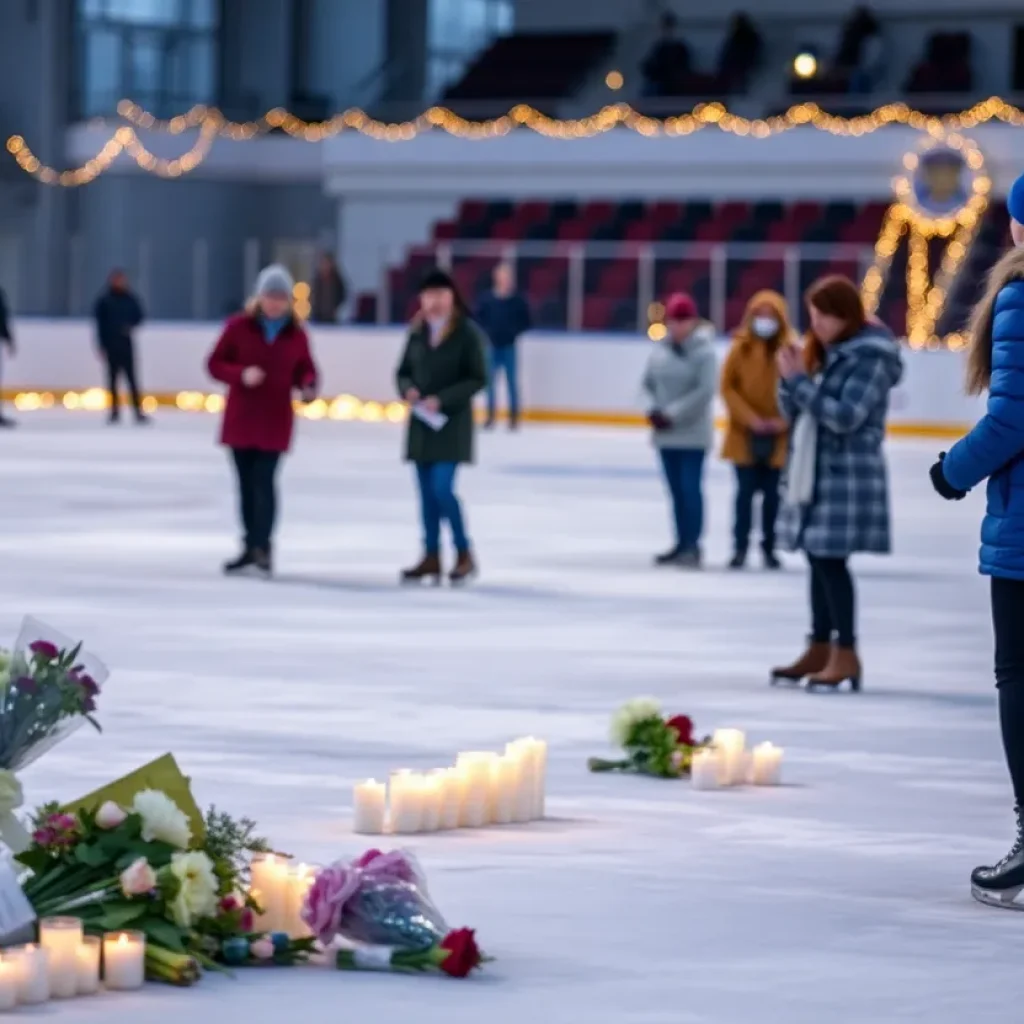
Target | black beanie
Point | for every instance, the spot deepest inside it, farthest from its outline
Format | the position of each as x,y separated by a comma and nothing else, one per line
438,278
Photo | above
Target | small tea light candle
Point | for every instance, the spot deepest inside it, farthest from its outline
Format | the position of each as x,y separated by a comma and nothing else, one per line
89,966
8,984
767,767
124,960
406,802
731,744
369,803
705,772
32,974
61,938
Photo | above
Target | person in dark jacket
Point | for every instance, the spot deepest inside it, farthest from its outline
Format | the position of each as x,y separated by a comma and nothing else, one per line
835,493
442,368
994,450
263,357
504,315
117,313
329,291
6,338
667,65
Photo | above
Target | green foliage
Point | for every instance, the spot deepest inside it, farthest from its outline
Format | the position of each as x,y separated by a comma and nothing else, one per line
229,842
651,745
119,915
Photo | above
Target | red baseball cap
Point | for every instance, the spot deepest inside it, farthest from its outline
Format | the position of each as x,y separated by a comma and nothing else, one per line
680,306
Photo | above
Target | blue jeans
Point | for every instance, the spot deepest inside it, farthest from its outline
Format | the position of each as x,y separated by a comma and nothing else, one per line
504,359
684,475
438,502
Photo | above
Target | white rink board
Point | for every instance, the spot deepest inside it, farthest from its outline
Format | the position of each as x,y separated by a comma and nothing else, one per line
568,375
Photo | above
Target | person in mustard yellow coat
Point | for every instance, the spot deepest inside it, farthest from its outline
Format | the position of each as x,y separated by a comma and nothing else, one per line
757,435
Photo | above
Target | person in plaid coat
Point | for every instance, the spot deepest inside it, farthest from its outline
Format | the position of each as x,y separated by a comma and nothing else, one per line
836,493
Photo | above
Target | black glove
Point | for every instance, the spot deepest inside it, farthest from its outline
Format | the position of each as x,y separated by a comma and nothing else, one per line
659,420
942,486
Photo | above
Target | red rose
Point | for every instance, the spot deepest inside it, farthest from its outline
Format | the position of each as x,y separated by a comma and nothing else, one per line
683,725
463,953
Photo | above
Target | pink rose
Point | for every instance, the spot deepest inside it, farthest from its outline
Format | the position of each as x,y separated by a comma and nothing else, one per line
138,879
332,889
231,903
44,650
247,921
110,816
262,949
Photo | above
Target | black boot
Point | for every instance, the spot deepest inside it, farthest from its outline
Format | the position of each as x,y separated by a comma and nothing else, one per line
739,560
264,562
999,886
669,557
771,560
243,563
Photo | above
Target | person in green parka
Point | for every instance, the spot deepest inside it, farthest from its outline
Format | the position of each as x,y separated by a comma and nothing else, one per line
442,368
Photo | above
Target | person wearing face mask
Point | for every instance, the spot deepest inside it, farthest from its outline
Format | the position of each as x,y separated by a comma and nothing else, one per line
756,438
835,394
443,366
679,393
263,357
994,450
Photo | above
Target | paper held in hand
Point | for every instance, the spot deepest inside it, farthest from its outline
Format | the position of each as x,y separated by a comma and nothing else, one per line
434,420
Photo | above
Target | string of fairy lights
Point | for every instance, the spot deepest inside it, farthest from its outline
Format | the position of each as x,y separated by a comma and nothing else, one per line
926,292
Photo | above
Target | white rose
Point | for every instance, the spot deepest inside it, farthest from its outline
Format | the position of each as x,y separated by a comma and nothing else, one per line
629,714
138,879
197,892
110,816
162,819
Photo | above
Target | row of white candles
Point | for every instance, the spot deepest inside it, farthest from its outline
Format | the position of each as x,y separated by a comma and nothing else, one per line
727,762
484,788
66,963
280,888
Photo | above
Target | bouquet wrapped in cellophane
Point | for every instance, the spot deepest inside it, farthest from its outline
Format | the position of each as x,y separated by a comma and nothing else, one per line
379,904
48,688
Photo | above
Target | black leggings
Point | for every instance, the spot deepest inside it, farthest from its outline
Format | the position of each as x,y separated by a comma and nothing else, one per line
257,495
1008,620
833,604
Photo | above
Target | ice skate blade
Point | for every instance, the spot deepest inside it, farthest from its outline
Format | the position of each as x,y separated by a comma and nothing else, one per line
1005,899
777,680
818,687
420,581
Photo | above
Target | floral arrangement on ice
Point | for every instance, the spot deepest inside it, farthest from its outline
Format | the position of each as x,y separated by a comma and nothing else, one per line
140,866
380,906
654,745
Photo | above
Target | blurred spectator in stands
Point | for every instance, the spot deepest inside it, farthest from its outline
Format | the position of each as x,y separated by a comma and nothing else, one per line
504,315
945,66
329,291
117,313
756,439
740,54
667,66
679,389
858,59
6,338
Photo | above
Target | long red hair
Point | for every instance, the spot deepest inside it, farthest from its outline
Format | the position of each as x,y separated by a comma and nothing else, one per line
836,296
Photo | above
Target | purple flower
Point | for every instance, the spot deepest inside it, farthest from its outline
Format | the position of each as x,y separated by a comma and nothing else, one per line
58,832
332,889
45,650
26,684
88,684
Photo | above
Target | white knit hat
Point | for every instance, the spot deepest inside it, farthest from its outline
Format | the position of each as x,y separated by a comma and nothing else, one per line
275,280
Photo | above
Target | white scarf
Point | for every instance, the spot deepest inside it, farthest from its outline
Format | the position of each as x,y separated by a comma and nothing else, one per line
803,461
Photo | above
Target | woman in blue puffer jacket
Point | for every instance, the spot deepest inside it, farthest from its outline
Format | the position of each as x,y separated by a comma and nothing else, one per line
994,450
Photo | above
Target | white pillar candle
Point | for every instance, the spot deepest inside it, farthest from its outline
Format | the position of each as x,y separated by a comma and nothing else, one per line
451,798
89,966
369,807
269,874
526,788
505,785
540,780
767,767
61,937
704,773
475,771
731,744
300,881
433,786
406,802
8,984
124,960
32,974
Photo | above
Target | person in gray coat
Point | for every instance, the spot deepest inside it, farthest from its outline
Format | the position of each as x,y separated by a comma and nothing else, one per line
836,493
679,388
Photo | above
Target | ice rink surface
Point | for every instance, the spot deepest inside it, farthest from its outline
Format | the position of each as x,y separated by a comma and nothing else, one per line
841,897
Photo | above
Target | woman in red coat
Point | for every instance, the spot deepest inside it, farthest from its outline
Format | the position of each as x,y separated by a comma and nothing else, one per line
263,357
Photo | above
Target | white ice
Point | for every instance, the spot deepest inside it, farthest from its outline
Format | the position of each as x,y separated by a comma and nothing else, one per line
840,897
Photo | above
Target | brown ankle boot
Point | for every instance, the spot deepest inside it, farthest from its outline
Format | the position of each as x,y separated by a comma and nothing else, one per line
843,666
429,568
465,568
814,659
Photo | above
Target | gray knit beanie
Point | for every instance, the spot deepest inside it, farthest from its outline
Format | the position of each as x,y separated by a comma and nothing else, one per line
275,280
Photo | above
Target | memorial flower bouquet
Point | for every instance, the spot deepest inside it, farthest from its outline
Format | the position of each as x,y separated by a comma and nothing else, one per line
48,688
380,906
143,866
653,744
